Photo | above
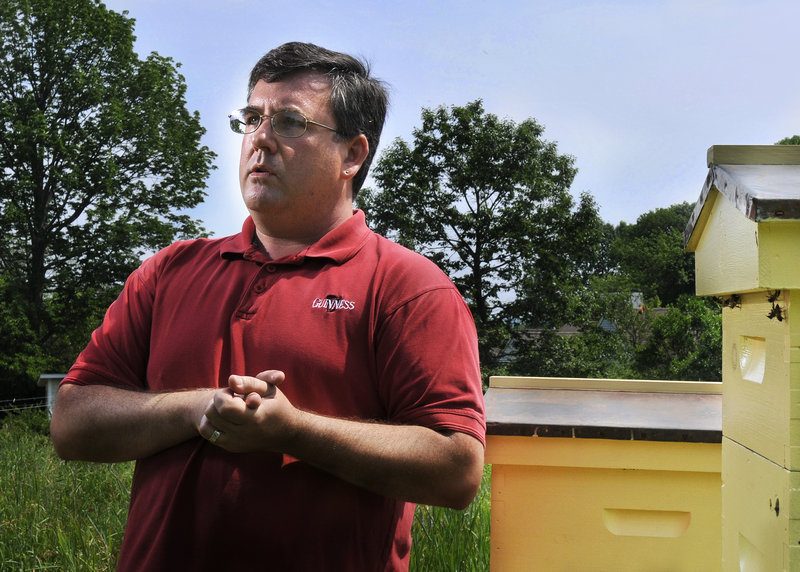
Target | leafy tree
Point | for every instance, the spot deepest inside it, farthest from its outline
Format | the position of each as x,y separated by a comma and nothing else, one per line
612,303
98,157
682,341
652,255
612,320
793,140
622,336
594,353
488,200
685,343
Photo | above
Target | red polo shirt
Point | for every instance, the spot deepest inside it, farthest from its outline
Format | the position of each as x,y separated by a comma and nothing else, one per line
362,328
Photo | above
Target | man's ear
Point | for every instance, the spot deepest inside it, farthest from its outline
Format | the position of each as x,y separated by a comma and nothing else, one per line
357,152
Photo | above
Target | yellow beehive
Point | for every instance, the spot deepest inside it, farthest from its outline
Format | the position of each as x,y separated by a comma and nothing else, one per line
761,392
761,520
591,474
745,232
745,227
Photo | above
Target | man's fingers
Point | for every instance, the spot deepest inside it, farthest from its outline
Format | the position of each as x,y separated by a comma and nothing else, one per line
242,385
207,429
252,400
272,376
248,391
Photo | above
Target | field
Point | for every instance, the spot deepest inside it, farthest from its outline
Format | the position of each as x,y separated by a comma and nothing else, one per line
71,516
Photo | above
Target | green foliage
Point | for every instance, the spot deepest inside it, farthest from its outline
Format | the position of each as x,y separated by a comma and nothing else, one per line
592,354
652,255
488,200
98,157
31,420
22,360
685,343
56,515
624,336
445,540
71,516
793,140
610,326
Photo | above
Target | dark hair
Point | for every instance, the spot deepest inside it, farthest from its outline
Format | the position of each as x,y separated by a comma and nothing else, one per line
358,101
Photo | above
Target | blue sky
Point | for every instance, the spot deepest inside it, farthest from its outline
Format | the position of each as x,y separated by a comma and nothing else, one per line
636,91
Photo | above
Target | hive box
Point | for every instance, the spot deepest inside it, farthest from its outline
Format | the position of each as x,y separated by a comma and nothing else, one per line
760,525
604,474
745,232
760,361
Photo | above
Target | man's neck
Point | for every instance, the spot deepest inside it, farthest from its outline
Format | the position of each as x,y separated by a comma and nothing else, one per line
276,248
279,244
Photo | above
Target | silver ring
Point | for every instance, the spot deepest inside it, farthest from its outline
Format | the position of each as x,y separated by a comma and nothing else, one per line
215,435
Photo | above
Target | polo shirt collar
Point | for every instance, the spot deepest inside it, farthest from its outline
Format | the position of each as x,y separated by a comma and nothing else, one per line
339,245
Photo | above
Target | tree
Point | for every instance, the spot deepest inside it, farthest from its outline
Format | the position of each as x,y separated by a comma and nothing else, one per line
652,255
793,140
622,338
488,200
98,157
612,320
685,343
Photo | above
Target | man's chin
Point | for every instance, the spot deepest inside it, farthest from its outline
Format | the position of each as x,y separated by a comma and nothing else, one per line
259,198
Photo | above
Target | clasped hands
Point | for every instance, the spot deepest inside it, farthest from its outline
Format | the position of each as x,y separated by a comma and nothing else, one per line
249,415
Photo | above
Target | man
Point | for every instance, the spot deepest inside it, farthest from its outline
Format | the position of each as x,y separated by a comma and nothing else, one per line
290,391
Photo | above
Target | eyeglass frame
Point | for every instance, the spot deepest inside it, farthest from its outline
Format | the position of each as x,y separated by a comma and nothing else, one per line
272,124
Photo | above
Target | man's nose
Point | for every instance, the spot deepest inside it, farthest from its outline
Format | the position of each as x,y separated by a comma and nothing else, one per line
264,136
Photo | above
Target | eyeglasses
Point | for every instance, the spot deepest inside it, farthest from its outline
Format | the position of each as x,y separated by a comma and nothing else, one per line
284,123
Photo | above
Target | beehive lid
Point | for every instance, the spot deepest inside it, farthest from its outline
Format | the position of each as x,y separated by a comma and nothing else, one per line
605,409
761,181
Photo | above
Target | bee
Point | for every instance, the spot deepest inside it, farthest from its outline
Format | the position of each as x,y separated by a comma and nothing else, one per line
732,301
776,312
773,296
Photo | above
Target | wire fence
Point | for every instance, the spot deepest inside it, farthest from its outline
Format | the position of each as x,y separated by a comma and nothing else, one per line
19,404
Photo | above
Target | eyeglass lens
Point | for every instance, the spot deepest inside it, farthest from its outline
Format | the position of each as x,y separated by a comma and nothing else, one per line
284,123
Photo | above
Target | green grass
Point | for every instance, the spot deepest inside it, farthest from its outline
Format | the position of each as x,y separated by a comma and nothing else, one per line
446,540
56,515
71,516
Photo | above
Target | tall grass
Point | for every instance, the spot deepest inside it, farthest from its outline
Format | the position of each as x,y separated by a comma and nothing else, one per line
71,516
446,540
56,515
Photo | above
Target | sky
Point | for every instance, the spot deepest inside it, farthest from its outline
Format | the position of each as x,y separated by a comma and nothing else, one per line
636,91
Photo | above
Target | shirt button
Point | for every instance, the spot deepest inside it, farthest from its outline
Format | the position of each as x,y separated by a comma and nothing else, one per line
259,288
271,268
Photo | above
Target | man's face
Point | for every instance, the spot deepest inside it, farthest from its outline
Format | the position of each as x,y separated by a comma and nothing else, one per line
294,181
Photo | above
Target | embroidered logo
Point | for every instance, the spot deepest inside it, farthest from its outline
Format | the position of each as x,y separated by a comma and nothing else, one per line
331,303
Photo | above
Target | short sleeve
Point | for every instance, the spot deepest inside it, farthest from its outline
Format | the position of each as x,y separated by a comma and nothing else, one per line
118,351
427,354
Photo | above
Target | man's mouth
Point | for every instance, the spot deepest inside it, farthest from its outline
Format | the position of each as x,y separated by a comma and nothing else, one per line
261,170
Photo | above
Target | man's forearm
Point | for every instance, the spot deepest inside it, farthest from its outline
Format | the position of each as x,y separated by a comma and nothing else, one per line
407,462
110,424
